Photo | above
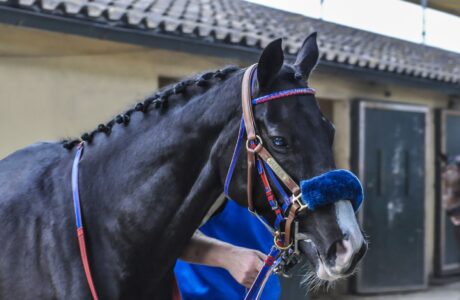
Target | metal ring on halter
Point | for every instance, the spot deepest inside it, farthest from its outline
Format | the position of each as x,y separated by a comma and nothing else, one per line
276,240
259,144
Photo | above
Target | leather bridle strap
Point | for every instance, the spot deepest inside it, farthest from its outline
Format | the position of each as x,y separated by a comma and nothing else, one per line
260,150
248,119
258,155
249,124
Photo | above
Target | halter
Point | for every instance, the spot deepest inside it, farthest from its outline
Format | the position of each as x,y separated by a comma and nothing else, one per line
260,158
286,209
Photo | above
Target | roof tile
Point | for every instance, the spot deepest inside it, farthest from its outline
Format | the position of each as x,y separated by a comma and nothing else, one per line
24,2
244,23
95,9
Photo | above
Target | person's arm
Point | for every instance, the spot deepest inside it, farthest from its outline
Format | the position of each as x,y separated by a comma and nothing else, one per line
242,263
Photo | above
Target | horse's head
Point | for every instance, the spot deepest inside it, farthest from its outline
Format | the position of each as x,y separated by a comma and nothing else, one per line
300,139
450,174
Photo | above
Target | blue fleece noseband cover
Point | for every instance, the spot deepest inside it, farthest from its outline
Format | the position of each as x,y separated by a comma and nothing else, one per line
331,187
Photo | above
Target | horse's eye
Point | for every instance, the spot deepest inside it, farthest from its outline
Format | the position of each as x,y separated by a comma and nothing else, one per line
279,141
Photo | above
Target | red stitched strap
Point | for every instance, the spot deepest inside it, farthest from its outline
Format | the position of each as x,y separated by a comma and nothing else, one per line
84,259
270,260
268,190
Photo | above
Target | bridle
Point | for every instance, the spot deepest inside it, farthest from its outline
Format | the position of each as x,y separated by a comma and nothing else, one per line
259,157
284,253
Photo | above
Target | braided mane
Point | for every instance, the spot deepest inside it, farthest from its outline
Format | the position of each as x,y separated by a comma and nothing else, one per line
158,100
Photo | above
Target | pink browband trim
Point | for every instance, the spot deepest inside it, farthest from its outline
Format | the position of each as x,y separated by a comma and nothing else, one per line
282,94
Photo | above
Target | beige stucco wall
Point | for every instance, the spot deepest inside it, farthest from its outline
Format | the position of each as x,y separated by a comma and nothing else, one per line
54,85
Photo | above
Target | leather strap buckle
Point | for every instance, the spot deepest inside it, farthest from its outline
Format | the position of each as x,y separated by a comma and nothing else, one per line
277,241
296,200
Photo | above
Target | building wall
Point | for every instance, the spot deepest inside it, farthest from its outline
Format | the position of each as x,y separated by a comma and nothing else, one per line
55,85
344,91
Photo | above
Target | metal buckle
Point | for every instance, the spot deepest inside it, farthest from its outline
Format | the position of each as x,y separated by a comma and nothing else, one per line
258,144
296,199
276,239
285,264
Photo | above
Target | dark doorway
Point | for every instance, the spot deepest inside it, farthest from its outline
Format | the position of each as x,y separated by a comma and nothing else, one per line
390,160
447,236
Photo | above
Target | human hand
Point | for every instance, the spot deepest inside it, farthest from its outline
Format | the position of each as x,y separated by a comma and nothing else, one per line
244,264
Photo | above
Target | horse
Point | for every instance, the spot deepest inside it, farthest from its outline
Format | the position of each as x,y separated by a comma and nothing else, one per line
148,177
450,179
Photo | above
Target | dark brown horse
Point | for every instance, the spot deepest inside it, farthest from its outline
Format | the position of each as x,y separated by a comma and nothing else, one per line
450,175
450,180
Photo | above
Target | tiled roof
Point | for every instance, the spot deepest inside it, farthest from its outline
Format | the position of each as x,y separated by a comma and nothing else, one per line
250,25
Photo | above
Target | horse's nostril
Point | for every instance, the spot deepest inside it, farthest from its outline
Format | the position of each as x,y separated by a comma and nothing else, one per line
341,249
337,249
340,255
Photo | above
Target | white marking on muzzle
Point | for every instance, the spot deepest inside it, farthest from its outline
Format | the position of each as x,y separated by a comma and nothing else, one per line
353,240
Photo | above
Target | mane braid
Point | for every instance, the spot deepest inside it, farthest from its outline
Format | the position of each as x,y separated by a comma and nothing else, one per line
159,100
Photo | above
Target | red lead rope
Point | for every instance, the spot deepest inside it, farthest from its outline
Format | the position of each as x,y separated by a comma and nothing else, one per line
84,259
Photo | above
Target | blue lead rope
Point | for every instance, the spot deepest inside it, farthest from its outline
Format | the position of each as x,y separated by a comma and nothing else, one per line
75,190
236,151
257,287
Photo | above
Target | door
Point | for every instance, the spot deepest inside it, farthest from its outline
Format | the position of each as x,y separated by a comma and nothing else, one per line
447,237
391,164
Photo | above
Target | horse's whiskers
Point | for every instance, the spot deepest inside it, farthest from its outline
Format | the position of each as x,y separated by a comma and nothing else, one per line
310,280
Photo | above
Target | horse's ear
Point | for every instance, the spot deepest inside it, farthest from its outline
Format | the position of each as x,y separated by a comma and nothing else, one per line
270,62
308,56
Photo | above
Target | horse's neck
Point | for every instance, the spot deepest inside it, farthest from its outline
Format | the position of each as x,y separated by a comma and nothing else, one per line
146,189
